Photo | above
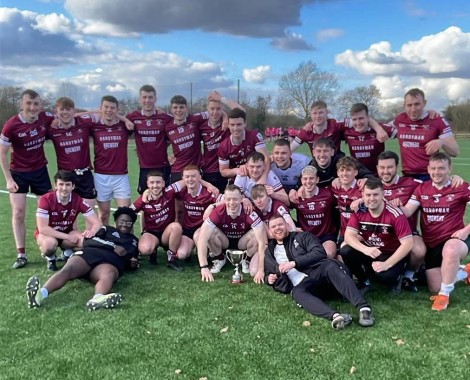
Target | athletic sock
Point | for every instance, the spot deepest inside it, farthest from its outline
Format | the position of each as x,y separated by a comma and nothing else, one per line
461,275
171,255
446,289
364,309
50,258
44,293
409,274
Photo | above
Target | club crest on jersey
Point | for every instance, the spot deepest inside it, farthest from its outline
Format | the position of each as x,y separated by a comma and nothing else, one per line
296,243
116,234
450,197
33,133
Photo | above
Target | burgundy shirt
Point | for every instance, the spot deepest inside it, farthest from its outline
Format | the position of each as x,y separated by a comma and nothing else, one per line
158,214
235,155
413,135
332,131
26,141
194,207
233,228
150,139
72,145
61,217
315,214
442,211
344,198
110,147
212,137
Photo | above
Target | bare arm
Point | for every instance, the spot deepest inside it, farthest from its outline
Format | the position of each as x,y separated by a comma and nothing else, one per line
267,165
382,135
11,184
204,236
95,225
262,239
227,172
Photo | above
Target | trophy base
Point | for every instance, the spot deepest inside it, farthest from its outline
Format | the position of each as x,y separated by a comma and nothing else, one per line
237,281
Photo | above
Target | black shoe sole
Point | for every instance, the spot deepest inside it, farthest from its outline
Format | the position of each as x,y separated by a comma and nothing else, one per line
175,266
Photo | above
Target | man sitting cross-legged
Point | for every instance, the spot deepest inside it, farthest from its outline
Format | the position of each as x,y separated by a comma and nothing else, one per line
103,259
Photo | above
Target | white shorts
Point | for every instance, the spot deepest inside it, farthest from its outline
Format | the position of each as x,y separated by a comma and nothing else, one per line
109,186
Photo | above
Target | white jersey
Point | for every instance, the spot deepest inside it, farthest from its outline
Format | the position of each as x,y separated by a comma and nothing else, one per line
290,176
245,183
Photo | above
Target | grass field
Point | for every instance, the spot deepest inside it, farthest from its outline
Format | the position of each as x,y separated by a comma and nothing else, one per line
172,326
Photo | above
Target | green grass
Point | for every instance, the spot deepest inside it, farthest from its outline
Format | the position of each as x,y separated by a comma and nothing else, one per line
172,321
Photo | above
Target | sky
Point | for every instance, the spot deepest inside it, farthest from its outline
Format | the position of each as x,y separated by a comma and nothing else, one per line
191,47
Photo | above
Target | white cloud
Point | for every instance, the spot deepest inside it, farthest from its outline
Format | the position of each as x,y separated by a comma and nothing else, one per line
257,75
328,34
53,24
445,53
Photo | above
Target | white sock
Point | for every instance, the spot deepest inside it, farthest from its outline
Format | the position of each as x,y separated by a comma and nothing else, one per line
446,289
50,258
364,309
409,274
461,275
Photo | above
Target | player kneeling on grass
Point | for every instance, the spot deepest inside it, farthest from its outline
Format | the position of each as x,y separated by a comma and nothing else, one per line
103,259
55,218
297,262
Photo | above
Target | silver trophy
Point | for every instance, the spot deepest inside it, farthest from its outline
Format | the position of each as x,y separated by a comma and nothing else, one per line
236,256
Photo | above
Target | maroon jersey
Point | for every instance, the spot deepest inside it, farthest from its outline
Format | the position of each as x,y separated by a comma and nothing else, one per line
344,198
150,138
235,155
110,143
158,214
385,231
275,208
72,145
212,137
332,131
194,207
413,135
442,211
61,217
27,141
186,141
364,146
315,214
402,188
233,228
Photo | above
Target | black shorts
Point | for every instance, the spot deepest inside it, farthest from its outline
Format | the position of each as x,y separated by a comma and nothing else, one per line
38,181
189,232
433,257
84,184
233,243
94,257
327,237
175,177
142,186
157,234
217,180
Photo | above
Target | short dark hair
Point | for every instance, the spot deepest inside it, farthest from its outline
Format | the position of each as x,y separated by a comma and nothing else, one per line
154,173
31,93
111,99
281,142
324,141
374,183
440,156
124,210
359,107
388,154
233,187
255,156
148,88
179,99
415,92
258,190
64,175
274,217
236,113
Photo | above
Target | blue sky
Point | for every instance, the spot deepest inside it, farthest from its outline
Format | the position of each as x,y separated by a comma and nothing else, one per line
113,47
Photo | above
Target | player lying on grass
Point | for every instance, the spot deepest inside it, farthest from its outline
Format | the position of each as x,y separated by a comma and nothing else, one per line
103,259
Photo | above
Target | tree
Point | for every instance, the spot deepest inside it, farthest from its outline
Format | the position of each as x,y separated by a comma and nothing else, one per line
305,85
9,102
69,90
370,96
389,111
459,115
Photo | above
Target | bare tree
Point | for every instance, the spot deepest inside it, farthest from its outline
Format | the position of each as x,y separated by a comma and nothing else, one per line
305,85
390,111
370,96
459,115
9,102
70,90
